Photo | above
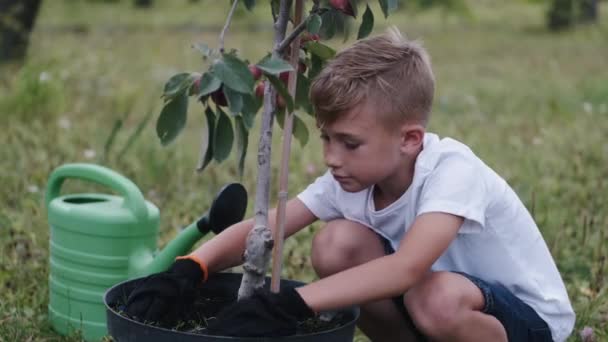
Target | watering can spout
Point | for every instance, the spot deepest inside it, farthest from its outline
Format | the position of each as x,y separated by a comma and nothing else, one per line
143,261
227,208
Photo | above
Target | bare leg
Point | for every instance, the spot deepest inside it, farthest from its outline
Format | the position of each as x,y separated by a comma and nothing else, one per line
447,306
343,244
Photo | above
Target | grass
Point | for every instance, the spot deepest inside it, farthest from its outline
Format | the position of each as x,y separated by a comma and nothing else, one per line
532,104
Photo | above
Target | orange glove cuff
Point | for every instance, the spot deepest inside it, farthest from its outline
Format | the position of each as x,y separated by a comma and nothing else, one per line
200,263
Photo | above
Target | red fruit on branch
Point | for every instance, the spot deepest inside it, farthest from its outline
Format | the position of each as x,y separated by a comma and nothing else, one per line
255,72
281,102
307,37
284,76
195,87
343,6
219,97
259,90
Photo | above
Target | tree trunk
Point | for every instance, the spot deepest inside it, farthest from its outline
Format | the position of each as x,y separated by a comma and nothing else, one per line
143,3
259,241
588,11
17,19
560,15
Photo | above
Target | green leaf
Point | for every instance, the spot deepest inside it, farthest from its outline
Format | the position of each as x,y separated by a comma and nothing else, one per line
251,106
300,131
249,4
274,66
274,7
353,5
321,50
367,23
314,24
176,84
207,142
316,65
328,24
282,90
235,100
346,29
242,138
172,119
209,84
302,99
224,137
204,49
234,73
388,6
280,118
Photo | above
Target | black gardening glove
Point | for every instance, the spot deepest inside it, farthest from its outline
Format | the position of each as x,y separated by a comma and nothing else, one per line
161,297
263,314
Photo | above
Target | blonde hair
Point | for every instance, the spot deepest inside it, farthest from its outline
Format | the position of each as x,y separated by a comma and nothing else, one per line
387,71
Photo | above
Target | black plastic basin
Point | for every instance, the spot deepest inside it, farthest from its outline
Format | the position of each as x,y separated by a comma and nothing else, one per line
124,329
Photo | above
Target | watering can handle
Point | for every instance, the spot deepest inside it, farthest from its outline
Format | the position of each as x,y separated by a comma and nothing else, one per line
134,199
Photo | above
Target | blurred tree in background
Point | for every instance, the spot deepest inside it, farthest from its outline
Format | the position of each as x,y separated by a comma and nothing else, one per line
565,13
17,19
143,3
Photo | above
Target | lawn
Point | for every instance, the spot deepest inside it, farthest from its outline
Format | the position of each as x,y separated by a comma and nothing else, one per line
532,104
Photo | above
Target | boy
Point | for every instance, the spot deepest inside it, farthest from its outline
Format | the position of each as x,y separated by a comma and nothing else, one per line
409,216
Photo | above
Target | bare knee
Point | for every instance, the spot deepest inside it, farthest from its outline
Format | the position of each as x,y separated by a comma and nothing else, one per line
343,244
434,304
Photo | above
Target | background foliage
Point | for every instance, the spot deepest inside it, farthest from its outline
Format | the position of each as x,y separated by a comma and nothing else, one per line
532,104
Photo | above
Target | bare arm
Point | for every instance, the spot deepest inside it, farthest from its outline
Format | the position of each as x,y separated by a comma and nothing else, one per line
391,275
226,249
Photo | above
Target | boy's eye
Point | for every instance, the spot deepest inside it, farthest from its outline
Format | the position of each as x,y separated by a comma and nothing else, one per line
324,137
351,145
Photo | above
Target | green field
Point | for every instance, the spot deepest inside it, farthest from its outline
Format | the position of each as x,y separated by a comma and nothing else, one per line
532,104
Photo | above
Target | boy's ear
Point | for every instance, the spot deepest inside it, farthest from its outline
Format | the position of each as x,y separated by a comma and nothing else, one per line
412,136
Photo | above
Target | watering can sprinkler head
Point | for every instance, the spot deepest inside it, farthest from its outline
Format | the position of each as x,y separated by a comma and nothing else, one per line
228,208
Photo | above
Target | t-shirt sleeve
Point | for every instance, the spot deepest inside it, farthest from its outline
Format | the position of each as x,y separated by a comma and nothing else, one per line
456,187
320,198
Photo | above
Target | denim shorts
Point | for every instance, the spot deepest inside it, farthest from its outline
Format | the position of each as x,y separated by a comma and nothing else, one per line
520,321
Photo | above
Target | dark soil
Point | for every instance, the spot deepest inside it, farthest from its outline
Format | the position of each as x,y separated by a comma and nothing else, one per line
207,305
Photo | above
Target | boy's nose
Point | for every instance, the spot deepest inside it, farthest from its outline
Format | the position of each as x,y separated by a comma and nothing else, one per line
332,160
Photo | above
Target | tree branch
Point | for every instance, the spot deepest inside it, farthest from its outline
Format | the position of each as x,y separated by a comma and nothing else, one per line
225,29
296,31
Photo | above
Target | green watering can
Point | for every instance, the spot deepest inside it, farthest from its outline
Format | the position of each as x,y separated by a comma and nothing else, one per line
99,240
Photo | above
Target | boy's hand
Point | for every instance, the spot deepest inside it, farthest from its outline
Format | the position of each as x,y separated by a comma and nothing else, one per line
263,314
162,296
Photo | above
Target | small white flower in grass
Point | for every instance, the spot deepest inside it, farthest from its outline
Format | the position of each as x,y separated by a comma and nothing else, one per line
64,122
89,153
587,107
537,141
32,189
44,76
587,334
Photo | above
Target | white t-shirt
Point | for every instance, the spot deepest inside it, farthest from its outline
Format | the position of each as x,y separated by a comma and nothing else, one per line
498,241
